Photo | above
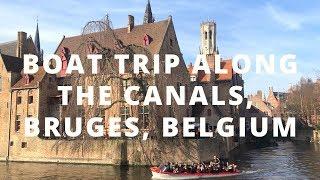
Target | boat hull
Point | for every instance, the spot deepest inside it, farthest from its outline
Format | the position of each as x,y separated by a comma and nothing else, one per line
156,174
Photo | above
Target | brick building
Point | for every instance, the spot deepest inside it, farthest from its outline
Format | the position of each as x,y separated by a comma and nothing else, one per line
11,64
270,105
36,96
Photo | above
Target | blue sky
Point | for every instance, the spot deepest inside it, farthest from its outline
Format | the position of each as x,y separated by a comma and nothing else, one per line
246,27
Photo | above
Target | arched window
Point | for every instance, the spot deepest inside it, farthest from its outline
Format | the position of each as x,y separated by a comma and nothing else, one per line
206,35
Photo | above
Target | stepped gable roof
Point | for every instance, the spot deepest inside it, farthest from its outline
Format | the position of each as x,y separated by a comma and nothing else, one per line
11,63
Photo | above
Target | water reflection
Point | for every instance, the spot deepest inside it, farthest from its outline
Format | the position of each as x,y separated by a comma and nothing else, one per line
288,160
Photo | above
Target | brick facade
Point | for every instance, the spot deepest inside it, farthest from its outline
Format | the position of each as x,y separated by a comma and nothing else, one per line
46,101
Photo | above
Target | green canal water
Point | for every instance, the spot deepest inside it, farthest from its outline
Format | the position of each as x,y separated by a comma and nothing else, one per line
286,161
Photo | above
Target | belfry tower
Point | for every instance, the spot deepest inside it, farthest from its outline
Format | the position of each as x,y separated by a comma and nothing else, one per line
208,38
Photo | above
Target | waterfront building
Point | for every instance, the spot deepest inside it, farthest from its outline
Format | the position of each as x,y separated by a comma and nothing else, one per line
11,65
271,105
36,96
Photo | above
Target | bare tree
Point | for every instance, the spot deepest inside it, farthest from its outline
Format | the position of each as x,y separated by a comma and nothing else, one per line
303,100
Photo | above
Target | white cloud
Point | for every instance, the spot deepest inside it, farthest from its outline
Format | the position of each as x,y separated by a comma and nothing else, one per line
291,20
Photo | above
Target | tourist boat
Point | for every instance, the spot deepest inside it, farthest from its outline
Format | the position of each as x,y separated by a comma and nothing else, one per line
157,174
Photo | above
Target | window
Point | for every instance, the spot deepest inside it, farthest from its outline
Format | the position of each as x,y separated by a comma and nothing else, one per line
209,112
206,35
171,42
125,85
19,100
18,123
11,143
124,112
210,34
30,99
144,116
24,144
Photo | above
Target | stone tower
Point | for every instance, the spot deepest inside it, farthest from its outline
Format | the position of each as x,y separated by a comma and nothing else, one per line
208,37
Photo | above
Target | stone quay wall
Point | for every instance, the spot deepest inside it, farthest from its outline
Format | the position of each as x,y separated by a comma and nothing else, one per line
118,151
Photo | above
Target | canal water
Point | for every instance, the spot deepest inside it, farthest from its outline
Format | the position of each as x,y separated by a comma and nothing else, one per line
286,161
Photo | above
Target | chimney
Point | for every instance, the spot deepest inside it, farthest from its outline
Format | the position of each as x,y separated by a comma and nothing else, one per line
259,94
130,23
21,44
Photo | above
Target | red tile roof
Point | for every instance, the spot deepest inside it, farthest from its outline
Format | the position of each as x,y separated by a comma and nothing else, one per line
156,31
225,64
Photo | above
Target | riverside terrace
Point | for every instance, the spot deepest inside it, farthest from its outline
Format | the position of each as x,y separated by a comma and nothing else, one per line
287,63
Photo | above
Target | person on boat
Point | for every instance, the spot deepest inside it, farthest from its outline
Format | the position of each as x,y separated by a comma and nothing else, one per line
193,168
175,168
230,167
216,164
185,168
198,169
202,167
163,167
211,167
180,168
216,160
171,167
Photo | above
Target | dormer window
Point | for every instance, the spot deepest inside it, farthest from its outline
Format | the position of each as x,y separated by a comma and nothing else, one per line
147,40
27,78
65,53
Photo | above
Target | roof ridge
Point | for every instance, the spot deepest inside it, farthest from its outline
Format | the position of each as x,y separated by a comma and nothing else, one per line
8,42
140,25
